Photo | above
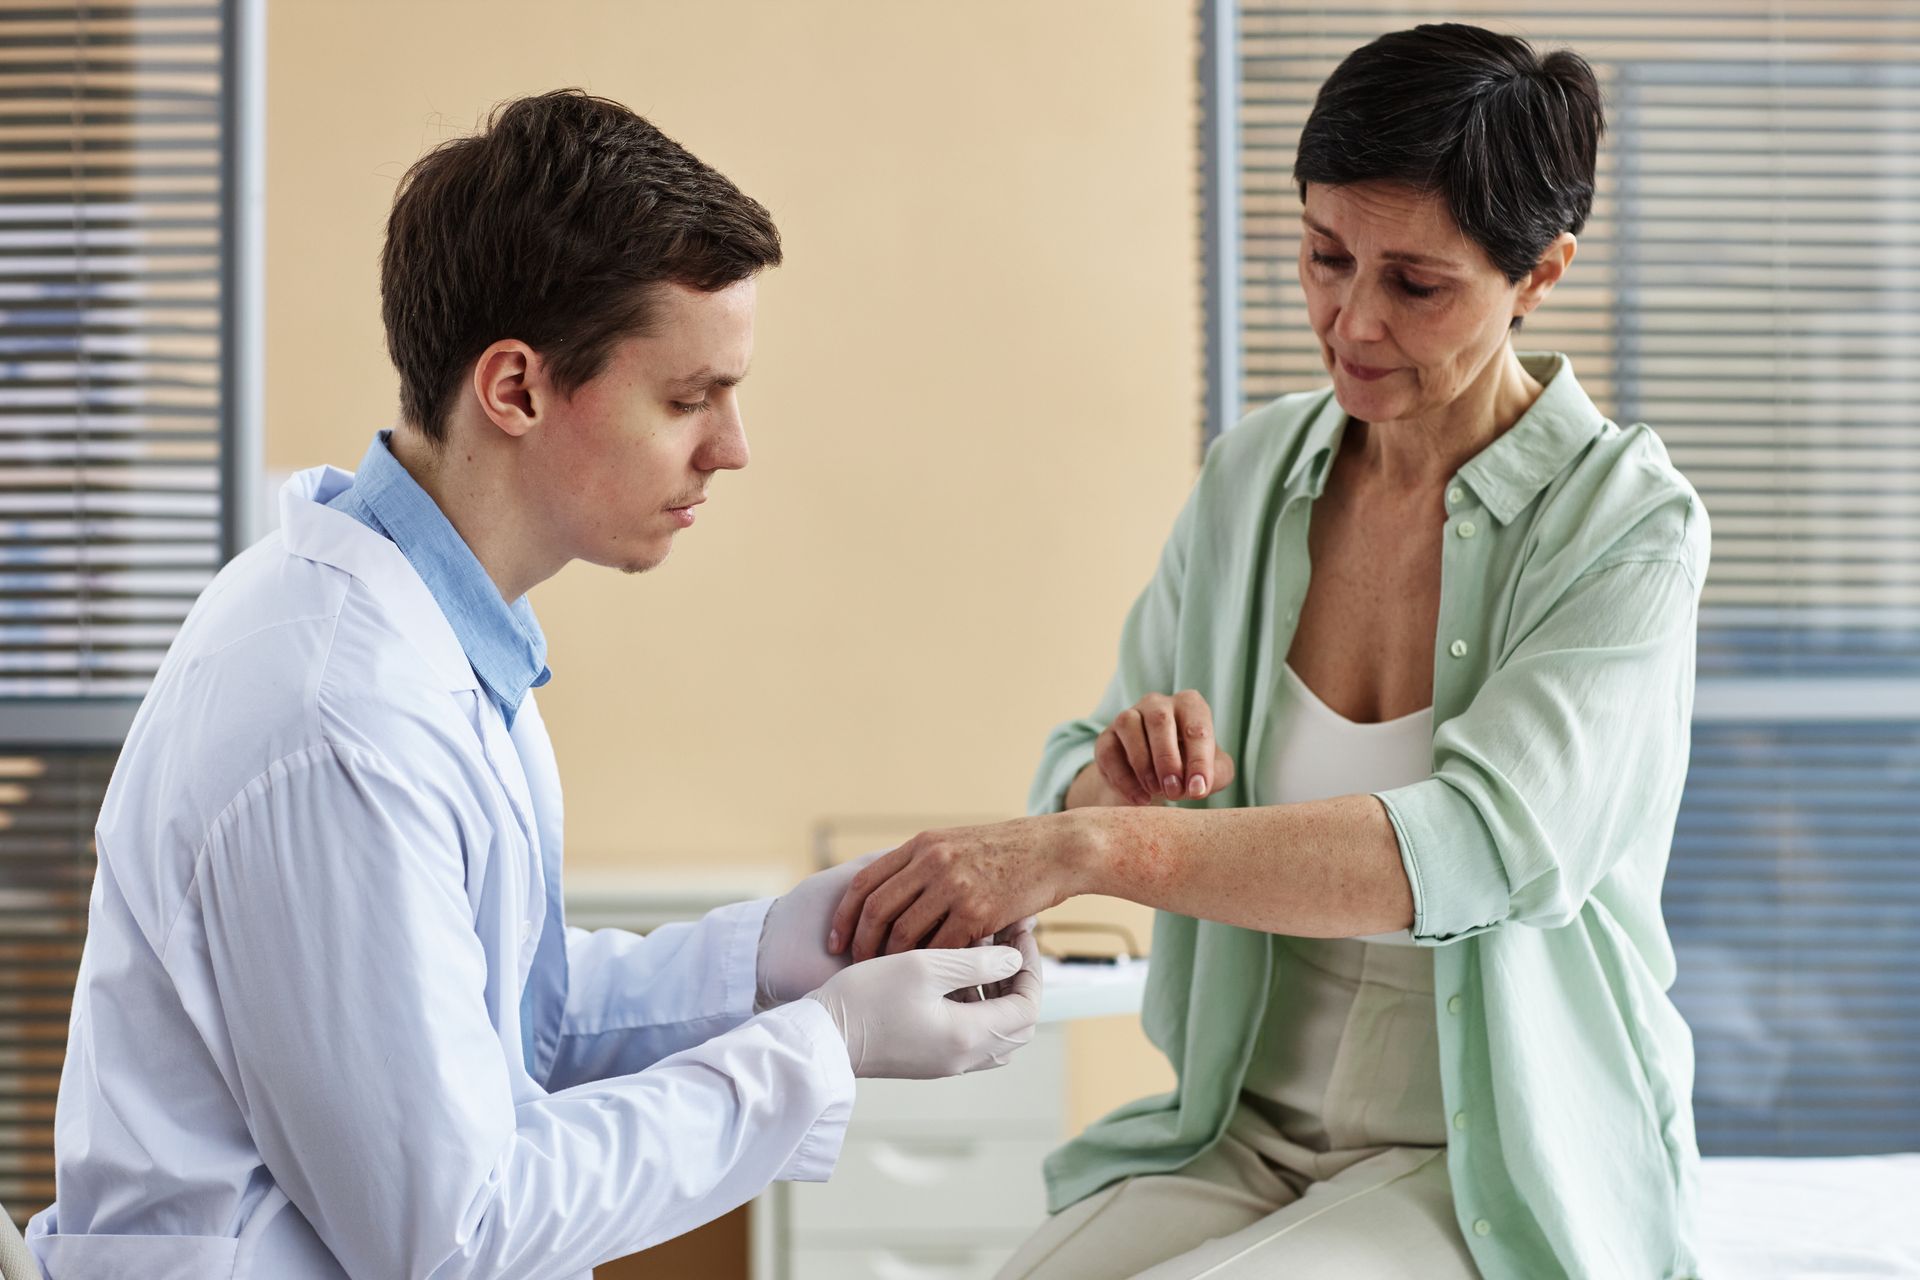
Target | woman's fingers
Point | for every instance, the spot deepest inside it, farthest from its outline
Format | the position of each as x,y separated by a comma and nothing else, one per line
1163,748
1195,719
955,932
913,925
1114,766
1163,742
875,873
1130,728
884,906
1223,771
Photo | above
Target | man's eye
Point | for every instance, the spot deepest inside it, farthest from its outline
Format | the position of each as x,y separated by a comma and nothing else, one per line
1323,260
690,406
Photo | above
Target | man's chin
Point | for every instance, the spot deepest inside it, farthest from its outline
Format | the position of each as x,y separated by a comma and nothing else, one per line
640,564
635,560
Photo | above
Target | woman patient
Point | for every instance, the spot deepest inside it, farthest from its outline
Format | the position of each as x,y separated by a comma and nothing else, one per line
1395,745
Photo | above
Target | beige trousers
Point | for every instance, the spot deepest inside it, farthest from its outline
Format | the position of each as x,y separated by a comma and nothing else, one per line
1334,1164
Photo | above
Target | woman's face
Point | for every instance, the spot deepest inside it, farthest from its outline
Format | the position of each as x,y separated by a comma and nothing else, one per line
1409,312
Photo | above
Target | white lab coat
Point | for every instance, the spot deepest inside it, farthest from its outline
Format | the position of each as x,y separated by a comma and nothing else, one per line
296,1049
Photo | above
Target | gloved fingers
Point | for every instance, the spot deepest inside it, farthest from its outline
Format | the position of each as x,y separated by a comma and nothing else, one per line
1024,984
1012,936
837,877
968,995
999,1025
953,968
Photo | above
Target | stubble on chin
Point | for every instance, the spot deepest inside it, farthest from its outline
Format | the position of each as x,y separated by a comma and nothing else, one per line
635,564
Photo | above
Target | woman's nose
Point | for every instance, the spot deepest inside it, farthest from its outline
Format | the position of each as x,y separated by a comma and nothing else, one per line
1361,316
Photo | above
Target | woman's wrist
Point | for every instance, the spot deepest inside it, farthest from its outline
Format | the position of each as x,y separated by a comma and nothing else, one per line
1089,848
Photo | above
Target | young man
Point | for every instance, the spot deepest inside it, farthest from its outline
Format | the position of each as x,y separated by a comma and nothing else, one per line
329,1021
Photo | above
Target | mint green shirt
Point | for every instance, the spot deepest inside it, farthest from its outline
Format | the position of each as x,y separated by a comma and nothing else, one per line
1562,700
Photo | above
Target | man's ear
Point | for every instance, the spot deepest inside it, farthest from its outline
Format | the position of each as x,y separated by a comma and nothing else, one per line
509,381
1545,274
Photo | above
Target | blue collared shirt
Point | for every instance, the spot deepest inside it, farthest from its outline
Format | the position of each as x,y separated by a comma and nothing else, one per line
502,641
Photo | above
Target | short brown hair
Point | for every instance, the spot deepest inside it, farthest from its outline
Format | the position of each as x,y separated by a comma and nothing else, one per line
553,225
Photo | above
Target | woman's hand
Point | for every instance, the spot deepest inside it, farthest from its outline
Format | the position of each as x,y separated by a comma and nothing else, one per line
951,888
1160,748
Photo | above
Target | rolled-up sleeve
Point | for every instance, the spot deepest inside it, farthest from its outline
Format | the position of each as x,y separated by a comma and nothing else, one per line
1569,759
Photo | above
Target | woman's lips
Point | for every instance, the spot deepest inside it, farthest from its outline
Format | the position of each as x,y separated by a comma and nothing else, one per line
1361,371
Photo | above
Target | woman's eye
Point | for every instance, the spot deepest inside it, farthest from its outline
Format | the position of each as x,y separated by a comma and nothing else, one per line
1325,260
1419,290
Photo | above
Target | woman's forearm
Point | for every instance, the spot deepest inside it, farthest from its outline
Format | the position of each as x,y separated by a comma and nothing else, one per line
1324,869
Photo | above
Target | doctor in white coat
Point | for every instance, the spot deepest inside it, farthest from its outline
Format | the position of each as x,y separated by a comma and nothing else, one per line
329,1021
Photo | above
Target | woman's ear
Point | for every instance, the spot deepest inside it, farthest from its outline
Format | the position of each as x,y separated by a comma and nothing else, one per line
1546,273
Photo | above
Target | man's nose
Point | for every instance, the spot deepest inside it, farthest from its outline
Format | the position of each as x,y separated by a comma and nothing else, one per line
726,448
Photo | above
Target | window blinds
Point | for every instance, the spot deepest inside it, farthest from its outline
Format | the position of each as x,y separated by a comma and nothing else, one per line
111,308
48,803
1749,283
126,247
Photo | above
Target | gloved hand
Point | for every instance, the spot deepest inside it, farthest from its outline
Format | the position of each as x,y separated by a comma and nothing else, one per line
793,957
897,1020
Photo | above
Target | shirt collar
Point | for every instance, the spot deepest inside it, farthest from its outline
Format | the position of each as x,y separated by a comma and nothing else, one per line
1316,449
1562,421
1507,474
502,641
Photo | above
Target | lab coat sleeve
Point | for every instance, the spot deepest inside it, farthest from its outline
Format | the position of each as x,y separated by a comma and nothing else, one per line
634,999
1569,760
1147,642
353,988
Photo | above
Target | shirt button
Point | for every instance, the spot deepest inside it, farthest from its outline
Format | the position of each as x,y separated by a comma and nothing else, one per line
1467,529
1481,1227
1454,495
1459,1119
526,930
1453,1004
1458,648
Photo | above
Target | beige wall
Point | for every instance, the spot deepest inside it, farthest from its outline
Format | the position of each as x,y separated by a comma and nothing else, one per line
973,409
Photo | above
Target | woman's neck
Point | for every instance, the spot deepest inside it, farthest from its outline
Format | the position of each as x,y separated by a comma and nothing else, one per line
1426,451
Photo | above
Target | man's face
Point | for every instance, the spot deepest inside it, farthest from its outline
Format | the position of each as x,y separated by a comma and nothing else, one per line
626,458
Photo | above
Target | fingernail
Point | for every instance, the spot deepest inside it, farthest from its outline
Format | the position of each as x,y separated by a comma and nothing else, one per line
1197,786
833,941
1172,783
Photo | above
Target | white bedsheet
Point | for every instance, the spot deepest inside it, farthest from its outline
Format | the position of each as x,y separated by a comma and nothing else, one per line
1811,1219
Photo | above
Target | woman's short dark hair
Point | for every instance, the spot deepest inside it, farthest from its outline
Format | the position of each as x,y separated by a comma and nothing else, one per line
553,225
1506,137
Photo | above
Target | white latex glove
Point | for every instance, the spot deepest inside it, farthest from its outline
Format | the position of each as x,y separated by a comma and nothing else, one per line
793,957
898,1021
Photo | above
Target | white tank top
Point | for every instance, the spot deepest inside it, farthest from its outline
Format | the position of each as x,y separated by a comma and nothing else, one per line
1312,752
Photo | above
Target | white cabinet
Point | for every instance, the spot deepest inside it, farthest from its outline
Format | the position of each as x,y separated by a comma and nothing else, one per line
939,1179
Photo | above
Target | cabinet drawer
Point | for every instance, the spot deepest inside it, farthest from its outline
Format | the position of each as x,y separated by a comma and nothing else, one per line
958,1189
931,1262
1027,1096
